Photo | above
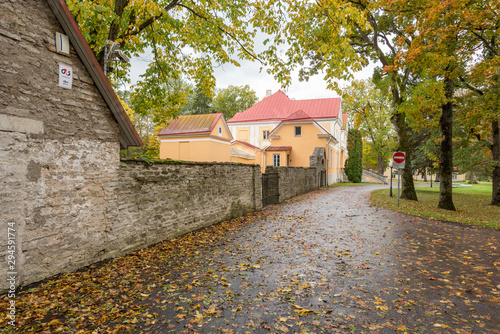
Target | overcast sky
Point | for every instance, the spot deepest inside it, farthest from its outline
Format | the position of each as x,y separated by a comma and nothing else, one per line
248,74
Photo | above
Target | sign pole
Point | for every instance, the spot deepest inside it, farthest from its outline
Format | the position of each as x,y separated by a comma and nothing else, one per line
399,173
398,163
390,191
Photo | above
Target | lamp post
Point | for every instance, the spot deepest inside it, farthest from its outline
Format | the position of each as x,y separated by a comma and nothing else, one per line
112,52
390,191
431,179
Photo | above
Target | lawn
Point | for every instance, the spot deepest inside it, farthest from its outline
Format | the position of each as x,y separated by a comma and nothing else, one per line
472,205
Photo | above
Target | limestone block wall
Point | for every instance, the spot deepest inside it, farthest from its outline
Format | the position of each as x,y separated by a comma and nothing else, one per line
294,181
64,193
164,200
59,150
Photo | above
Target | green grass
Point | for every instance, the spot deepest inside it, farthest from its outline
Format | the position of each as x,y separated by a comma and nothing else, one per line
472,205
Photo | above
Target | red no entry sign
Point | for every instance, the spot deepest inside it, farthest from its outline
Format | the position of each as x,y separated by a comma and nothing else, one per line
399,157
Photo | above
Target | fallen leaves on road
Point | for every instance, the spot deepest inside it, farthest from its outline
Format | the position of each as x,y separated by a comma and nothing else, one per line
311,266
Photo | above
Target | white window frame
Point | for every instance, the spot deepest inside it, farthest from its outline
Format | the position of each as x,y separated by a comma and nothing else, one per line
265,134
276,159
300,130
220,130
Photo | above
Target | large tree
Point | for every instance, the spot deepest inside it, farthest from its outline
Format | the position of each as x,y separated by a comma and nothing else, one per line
186,38
455,38
370,107
339,37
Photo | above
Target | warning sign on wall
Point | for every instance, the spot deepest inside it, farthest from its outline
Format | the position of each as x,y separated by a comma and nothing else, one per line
65,76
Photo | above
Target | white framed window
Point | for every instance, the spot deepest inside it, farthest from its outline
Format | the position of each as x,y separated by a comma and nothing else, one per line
265,134
298,131
276,160
220,130
454,176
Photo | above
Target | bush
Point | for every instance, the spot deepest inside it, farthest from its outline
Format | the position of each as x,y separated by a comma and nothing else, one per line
354,164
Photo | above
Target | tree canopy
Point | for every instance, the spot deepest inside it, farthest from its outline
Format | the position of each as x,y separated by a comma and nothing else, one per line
338,38
234,99
187,39
370,107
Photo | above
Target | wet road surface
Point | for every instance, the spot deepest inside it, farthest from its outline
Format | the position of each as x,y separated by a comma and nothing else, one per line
324,262
328,262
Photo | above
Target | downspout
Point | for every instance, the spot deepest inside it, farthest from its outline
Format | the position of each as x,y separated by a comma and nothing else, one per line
326,149
263,158
339,172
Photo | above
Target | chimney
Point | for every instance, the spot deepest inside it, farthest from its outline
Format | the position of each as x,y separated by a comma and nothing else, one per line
269,92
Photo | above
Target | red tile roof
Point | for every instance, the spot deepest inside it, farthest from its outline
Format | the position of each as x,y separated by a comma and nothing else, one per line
191,124
279,148
278,107
299,115
246,144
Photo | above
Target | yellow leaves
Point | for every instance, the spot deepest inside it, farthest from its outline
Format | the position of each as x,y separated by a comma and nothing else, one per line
301,310
55,322
382,308
128,110
199,316
211,311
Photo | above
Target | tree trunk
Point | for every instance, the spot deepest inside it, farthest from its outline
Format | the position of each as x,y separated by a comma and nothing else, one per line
473,178
425,175
402,130
495,149
446,161
380,160
399,122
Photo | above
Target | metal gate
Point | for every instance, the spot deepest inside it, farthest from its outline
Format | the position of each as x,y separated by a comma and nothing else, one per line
270,189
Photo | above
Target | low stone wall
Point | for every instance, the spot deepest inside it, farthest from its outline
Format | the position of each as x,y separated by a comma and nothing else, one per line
164,200
77,210
294,181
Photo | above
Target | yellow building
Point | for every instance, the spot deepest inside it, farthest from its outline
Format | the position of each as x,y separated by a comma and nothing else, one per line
280,131
196,138
246,153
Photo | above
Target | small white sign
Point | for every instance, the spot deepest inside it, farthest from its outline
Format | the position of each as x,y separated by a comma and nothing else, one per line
396,165
65,76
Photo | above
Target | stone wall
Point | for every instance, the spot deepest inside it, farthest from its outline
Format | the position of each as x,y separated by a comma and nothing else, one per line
59,150
62,185
164,200
294,181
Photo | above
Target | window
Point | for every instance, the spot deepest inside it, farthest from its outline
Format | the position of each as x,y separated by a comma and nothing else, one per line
220,130
298,131
454,176
265,135
276,160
